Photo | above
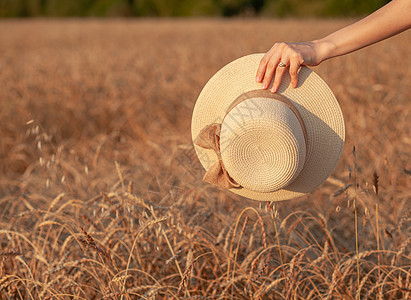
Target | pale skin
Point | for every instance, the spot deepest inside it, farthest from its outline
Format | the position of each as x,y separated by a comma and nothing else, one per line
389,20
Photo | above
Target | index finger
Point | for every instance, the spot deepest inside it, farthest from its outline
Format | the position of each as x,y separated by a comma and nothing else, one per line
262,67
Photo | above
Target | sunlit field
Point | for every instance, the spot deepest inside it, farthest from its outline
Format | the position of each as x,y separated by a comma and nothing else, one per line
100,190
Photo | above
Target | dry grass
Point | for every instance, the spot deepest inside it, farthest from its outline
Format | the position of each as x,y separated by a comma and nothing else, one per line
101,197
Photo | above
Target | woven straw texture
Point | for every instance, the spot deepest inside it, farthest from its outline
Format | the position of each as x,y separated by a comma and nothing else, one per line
316,104
262,144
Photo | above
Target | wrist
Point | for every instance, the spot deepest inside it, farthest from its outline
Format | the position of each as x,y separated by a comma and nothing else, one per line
324,48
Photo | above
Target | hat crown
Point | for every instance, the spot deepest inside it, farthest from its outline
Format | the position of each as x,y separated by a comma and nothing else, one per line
262,144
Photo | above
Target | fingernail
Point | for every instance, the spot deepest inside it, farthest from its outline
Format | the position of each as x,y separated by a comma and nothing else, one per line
257,79
264,86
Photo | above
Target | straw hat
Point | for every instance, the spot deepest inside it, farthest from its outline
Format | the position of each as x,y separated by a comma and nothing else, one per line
265,146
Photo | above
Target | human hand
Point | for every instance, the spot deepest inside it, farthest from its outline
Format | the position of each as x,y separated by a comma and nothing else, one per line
291,56
389,20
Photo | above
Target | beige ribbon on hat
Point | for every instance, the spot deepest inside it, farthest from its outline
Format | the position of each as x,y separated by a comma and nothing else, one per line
209,138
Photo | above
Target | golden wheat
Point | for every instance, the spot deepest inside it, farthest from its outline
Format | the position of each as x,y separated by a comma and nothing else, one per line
101,193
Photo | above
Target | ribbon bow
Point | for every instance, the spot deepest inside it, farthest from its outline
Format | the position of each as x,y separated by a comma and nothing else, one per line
209,138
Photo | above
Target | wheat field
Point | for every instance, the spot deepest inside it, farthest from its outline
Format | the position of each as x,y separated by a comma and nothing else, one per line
101,194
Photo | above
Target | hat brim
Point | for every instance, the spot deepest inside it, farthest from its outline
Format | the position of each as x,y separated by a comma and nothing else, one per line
312,97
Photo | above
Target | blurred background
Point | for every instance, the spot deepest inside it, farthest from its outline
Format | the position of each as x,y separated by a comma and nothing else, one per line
187,8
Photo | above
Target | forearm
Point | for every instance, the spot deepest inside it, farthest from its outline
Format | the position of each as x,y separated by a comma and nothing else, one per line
389,20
